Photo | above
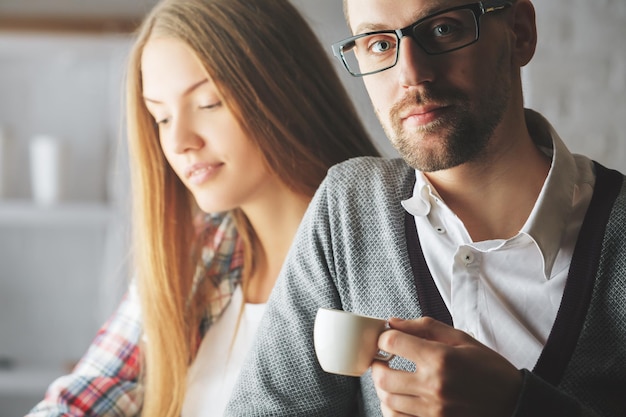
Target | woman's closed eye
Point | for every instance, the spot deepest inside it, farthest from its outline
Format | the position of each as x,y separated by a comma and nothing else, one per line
162,120
211,106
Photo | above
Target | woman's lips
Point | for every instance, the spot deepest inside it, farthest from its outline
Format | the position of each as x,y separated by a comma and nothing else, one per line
199,173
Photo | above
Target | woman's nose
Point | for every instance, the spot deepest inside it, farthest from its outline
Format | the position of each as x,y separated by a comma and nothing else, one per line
183,136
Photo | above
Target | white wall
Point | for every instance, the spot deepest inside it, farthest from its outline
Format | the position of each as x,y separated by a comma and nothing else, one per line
578,76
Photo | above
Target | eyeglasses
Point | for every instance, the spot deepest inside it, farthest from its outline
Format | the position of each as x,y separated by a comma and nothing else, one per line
445,31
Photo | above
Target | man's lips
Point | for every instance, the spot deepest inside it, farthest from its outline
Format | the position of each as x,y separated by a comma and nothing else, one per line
422,115
420,111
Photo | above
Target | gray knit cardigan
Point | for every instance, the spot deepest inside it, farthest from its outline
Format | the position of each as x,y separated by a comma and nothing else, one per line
356,251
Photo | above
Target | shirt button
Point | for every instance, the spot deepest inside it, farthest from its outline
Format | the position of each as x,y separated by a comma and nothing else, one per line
440,230
468,258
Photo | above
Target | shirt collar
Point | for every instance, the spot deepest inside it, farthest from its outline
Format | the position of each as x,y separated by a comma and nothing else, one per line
419,204
548,219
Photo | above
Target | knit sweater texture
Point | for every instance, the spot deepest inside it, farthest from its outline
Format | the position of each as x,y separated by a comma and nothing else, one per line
352,253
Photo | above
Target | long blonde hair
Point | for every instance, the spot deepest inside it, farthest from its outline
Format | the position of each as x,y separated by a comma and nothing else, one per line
282,88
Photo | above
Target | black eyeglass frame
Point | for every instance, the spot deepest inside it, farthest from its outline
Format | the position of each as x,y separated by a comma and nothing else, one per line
479,9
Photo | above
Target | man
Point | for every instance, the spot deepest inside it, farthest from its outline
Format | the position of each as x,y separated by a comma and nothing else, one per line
503,254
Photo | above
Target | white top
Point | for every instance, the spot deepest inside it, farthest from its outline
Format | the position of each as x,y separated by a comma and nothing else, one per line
214,371
506,293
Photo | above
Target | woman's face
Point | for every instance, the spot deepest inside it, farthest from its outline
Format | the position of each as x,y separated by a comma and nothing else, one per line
201,139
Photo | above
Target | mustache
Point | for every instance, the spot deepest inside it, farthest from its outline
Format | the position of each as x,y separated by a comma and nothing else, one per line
426,96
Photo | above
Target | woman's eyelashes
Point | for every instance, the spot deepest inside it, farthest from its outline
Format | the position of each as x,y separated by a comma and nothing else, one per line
163,120
211,106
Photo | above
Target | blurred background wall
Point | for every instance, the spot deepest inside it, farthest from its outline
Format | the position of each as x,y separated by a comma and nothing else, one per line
63,267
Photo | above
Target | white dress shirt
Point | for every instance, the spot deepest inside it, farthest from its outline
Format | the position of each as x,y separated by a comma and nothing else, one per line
506,293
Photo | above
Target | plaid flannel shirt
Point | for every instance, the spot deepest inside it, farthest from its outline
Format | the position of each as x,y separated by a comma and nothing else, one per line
107,381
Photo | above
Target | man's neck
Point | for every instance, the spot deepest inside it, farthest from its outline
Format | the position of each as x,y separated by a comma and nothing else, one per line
495,196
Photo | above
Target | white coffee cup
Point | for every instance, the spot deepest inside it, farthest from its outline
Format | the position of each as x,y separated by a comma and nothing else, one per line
347,343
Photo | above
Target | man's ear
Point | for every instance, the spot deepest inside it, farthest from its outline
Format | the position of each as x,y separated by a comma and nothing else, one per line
524,30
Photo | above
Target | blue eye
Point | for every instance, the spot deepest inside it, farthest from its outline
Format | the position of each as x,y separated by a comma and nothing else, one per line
381,46
379,43
442,30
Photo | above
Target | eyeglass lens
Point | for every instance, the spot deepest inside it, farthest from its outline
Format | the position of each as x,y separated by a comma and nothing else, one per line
437,34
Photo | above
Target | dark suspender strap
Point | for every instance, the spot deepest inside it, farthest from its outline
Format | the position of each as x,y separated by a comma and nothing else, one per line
581,278
429,298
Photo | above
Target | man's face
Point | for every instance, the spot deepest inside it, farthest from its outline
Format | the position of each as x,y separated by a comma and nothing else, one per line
439,111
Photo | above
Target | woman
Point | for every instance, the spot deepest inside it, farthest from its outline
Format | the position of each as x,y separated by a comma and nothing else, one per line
233,108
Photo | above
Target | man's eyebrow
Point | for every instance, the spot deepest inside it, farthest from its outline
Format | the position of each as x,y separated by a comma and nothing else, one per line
188,90
370,27
374,27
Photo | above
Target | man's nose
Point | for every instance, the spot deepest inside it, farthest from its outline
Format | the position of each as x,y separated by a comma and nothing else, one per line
415,65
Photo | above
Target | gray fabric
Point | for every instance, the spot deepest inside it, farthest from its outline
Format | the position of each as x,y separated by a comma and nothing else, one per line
350,253
602,344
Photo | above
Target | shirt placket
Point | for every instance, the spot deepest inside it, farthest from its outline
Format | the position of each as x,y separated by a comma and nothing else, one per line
465,290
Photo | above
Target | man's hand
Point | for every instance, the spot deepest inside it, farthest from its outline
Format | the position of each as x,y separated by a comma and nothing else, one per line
455,376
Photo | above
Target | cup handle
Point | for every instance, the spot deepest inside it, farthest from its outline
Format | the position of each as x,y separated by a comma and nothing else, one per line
381,355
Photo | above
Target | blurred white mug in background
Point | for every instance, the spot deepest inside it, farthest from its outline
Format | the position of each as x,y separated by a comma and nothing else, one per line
46,169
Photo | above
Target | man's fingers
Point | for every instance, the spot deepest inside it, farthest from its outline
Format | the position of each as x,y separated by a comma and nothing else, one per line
401,393
431,329
452,371
392,380
421,340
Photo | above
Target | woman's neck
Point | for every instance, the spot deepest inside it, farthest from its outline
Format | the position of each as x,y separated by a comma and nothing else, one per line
275,221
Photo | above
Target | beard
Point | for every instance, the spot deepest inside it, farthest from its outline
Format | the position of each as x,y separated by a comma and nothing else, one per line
462,132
